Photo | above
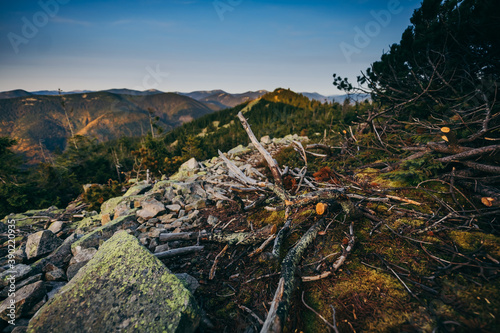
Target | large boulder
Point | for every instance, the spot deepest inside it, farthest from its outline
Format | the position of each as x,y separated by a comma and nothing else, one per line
41,243
123,288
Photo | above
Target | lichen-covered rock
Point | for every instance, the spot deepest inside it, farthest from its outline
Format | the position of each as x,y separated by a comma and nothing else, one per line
40,243
101,234
25,299
137,189
123,288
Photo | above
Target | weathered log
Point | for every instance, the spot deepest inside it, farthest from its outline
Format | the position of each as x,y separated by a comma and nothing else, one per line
280,306
469,153
244,238
170,237
314,197
178,252
482,167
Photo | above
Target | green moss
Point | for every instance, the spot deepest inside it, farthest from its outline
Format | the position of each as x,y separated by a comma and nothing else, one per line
99,294
472,241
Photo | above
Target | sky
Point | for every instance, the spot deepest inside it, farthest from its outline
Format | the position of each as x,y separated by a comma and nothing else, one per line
188,45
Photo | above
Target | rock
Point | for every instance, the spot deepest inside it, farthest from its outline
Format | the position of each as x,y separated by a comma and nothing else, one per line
19,272
56,226
188,281
41,243
73,269
192,164
20,329
212,220
105,218
89,222
26,298
219,204
198,204
174,207
35,278
82,255
150,208
55,287
20,254
60,257
123,288
265,140
54,273
240,150
101,234
137,189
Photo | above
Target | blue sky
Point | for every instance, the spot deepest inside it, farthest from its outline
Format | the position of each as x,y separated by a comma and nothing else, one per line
187,45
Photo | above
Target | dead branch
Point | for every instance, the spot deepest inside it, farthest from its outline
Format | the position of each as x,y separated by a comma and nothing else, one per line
282,298
482,167
333,327
178,252
336,265
269,159
216,260
469,153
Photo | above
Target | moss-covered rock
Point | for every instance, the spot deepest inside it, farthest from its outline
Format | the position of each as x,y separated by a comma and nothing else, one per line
101,234
137,189
123,288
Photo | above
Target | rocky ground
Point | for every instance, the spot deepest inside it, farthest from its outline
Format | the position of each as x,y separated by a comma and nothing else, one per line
192,253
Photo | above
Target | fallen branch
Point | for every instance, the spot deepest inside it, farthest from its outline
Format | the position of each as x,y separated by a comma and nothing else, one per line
282,298
275,170
333,327
214,266
482,167
178,252
336,265
250,312
469,153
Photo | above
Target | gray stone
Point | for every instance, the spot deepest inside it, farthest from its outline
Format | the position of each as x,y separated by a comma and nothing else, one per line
174,207
26,298
19,272
73,269
41,243
188,281
56,226
150,208
192,164
20,254
56,286
81,255
123,288
265,139
19,285
54,273
212,220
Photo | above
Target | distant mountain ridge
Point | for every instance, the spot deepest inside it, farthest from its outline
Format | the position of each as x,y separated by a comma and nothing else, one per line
39,122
